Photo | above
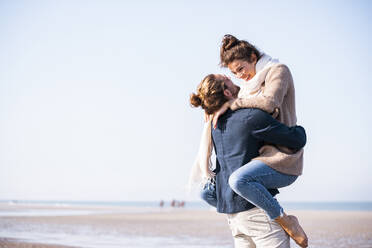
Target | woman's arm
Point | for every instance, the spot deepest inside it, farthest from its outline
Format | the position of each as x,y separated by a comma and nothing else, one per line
270,130
276,85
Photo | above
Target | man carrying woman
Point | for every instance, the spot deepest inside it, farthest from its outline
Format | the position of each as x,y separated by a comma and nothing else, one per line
252,155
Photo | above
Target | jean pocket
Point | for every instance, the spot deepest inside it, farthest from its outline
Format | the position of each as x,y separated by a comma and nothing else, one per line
233,226
255,223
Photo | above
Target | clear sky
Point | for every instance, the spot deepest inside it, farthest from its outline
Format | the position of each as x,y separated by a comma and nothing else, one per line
94,94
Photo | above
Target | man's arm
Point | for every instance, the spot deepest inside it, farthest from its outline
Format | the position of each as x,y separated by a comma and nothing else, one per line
277,133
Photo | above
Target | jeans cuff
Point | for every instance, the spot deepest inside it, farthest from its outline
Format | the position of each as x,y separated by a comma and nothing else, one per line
281,214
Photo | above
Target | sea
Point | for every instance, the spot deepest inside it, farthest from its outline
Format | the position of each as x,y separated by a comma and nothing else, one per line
317,206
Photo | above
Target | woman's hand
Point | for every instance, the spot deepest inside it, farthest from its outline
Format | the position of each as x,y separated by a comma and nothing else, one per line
207,117
276,113
210,174
221,111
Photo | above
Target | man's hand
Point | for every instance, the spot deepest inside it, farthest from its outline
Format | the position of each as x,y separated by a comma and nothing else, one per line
221,111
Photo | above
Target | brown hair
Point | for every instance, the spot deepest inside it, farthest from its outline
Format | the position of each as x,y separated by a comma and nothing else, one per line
233,49
210,94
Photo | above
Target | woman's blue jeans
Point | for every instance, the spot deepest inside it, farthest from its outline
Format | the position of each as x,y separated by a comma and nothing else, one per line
251,182
208,193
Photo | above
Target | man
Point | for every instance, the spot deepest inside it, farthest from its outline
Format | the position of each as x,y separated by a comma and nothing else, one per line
237,139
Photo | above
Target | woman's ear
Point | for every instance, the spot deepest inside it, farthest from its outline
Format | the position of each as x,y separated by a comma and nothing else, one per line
228,93
253,58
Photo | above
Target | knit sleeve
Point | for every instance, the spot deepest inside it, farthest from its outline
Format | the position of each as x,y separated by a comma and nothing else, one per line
276,85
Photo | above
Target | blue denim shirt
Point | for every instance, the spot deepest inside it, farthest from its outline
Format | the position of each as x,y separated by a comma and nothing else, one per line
237,138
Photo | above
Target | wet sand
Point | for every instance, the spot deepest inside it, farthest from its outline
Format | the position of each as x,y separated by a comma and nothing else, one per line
15,243
324,228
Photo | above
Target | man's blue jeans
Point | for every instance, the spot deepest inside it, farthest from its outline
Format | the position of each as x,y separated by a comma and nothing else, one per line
251,182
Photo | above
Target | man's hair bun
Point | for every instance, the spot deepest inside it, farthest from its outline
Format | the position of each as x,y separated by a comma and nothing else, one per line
195,100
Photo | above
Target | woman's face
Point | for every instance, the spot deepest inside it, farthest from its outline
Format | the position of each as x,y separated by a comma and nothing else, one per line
243,69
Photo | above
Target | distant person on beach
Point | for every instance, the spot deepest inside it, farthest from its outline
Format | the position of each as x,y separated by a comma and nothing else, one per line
268,86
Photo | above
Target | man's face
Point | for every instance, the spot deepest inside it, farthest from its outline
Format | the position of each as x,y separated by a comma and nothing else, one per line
231,89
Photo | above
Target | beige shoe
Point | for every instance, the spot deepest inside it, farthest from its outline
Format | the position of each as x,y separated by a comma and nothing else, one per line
291,226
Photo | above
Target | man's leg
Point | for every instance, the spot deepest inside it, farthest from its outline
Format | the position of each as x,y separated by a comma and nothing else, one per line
241,240
255,228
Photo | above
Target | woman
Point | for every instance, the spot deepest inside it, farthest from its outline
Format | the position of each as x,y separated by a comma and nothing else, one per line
268,85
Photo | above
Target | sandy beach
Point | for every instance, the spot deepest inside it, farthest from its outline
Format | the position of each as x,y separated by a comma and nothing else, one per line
149,227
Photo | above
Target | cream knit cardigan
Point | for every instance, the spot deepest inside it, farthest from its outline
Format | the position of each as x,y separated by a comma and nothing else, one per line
277,92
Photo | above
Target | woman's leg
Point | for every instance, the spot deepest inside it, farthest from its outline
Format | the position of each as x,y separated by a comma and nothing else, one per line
251,182
208,193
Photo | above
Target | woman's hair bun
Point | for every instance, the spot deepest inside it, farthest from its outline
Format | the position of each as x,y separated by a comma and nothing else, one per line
195,100
229,41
